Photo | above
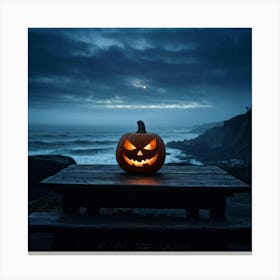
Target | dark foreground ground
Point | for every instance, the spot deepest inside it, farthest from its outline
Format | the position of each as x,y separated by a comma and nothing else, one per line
238,206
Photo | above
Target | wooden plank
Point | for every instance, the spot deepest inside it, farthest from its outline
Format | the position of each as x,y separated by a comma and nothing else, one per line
75,186
164,169
144,181
116,171
74,173
52,220
84,233
180,182
102,166
190,179
157,176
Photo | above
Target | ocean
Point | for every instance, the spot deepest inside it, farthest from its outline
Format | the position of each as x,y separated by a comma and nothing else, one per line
96,145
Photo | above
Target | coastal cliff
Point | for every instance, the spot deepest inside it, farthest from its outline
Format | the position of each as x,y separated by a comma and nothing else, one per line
228,146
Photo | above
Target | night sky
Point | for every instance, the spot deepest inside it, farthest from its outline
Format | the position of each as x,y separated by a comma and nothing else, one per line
172,77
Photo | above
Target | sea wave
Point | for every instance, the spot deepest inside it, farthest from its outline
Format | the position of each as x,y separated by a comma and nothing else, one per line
56,144
87,152
95,145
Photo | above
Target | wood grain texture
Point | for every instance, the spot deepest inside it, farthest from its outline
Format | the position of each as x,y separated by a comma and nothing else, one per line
164,169
184,187
111,177
53,221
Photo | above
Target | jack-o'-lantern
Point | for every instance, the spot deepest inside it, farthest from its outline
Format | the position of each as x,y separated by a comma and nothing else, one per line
140,152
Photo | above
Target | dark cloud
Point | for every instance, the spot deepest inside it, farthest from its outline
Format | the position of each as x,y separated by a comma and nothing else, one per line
100,68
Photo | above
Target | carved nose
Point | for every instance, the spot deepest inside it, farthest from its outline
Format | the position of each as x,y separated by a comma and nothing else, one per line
139,153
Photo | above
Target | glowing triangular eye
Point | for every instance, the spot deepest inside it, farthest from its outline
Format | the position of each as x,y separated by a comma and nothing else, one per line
152,145
128,145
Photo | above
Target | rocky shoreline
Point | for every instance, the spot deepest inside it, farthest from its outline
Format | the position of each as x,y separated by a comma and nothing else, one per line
227,146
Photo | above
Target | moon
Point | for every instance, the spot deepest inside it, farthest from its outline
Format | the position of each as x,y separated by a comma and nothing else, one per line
144,87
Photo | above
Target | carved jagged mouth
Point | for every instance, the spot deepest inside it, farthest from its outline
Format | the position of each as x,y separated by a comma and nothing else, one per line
149,161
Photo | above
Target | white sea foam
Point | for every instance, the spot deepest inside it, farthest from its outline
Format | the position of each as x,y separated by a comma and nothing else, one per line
93,145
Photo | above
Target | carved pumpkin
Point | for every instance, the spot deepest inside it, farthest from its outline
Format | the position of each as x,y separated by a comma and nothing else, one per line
140,152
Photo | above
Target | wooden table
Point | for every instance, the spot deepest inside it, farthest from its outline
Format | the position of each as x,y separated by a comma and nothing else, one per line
178,187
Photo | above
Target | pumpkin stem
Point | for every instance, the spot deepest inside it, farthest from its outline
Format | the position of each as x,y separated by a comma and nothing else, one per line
141,127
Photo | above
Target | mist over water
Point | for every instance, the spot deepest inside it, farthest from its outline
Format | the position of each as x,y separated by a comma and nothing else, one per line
93,144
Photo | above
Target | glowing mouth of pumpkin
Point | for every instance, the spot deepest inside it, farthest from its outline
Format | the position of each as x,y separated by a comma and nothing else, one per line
149,161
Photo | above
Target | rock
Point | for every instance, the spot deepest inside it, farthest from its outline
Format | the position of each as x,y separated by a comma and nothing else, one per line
40,167
228,146
238,168
227,142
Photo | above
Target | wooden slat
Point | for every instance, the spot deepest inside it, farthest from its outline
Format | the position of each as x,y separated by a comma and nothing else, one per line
78,172
52,220
159,176
110,177
182,182
164,169
83,233
75,186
